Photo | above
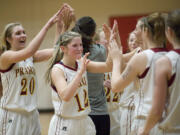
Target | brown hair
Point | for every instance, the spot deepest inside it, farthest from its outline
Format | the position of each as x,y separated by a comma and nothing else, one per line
155,23
173,21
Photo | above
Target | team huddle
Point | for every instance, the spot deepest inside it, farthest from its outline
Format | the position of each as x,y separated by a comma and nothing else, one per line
96,89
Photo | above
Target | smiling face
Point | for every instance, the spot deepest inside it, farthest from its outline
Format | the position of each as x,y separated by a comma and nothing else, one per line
18,38
132,42
74,49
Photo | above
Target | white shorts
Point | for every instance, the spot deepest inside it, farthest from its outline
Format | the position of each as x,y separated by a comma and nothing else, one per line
13,123
64,126
115,122
126,119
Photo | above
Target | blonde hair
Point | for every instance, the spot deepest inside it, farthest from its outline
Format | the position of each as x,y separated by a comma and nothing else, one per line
7,33
63,40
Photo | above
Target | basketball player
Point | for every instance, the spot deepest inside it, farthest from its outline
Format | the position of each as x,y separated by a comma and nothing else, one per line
18,107
166,91
141,66
127,99
69,80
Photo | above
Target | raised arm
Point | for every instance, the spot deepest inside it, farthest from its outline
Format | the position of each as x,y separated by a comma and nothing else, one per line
122,78
102,67
64,19
115,33
9,57
107,34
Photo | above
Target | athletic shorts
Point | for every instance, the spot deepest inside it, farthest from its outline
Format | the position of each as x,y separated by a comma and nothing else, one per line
66,126
13,123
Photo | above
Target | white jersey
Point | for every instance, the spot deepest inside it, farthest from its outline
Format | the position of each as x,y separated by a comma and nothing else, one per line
127,108
113,107
143,100
127,97
171,120
112,98
79,103
19,87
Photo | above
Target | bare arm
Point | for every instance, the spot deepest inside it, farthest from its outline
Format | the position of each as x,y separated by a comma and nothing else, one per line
43,55
9,57
115,34
64,19
128,56
107,33
122,78
162,73
67,91
100,67
59,25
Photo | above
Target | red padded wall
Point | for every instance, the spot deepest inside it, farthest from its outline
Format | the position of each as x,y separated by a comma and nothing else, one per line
126,25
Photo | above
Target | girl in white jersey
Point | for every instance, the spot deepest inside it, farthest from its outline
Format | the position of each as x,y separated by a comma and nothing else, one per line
127,100
67,74
18,107
166,98
128,96
140,66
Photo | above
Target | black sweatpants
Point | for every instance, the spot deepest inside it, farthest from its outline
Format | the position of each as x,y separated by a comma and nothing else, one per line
102,124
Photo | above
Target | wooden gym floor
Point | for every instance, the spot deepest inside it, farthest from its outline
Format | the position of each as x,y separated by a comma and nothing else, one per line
44,121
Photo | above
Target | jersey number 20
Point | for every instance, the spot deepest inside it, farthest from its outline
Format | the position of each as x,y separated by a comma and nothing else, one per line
25,88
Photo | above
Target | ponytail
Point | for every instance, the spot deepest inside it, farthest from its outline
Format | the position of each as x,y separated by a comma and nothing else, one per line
57,56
